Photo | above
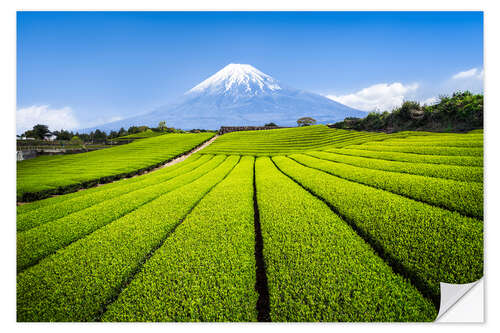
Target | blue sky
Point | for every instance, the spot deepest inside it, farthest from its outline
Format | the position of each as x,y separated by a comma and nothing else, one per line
85,68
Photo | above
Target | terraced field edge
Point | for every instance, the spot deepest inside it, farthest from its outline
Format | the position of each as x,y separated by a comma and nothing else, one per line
39,195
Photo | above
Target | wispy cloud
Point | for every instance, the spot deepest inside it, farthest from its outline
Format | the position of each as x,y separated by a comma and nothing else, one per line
116,118
430,101
381,96
473,73
96,122
471,79
56,119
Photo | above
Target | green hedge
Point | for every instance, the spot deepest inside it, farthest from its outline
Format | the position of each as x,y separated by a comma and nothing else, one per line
206,270
77,282
318,268
428,244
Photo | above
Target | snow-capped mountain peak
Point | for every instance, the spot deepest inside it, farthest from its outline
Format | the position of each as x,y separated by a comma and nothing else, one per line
240,95
239,79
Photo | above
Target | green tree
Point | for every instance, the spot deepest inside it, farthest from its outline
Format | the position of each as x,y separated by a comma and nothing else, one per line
75,140
271,124
133,130
29,134
306,121
99,135
113,134
122,132
63,135
162,125
40,131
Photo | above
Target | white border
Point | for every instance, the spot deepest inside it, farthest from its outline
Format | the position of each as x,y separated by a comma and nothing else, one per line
8,103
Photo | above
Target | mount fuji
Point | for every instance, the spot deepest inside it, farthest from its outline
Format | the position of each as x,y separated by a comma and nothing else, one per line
240,95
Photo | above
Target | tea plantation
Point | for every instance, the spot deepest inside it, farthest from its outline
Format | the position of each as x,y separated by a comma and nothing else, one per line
288,225
40,177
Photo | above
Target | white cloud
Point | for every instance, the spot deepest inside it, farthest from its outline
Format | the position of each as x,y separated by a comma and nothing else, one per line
96,122
471,80
116,118
382,96
430,101
473,73
56,119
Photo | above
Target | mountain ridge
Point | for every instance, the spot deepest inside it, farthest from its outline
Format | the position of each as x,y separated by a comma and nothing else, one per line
239,95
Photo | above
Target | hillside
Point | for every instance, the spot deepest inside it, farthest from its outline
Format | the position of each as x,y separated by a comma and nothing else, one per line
141,135
40,177
288,225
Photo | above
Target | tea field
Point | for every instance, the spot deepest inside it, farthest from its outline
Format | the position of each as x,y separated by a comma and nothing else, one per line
296,224
40,177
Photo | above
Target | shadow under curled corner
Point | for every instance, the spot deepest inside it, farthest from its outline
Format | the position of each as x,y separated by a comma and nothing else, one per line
461,303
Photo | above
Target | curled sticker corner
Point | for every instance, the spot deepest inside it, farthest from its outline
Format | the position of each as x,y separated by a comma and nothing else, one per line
451,294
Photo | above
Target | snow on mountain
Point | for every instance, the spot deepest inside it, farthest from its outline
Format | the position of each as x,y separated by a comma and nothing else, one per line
240,95
237,79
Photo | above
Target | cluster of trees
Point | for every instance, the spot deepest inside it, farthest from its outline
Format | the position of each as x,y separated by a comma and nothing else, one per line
40,132
306,121
462,111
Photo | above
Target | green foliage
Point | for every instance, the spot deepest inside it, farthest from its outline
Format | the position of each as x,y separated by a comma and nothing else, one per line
313,262
423,150
206,270
63,135
98,136
76,140
271,124
430,244
162,126
122,132
53,208
286,140
141,135
39,132
461,111
454,172
306,121
463,197
45,175
54,201
378,226
463,106
42,240
409,157
63,287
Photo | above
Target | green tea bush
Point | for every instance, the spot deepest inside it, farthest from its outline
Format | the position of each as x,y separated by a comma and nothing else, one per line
205,271
318,268
77,282
429,244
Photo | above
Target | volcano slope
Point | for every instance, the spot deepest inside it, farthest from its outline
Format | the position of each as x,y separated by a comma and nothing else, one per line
297,224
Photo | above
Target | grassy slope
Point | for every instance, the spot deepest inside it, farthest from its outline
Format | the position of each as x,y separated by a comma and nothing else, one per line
39,177
142,135
406,244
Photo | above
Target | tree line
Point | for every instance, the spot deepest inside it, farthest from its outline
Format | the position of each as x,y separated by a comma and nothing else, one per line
40,132
462,111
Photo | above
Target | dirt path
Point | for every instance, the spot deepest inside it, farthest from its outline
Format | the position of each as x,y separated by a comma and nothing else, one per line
172,162
183,157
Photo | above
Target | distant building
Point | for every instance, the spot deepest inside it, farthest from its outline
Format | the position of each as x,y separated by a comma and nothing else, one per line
50,137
